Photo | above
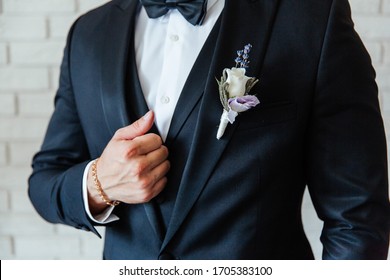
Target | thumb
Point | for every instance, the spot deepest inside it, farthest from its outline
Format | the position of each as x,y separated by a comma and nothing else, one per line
137,128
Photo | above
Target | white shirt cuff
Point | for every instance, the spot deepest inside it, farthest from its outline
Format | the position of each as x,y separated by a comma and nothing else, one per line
106,216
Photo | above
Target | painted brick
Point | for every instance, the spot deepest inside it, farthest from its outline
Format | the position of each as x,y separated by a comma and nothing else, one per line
36,53
387,54
312,225
376,51
3,154
365,7
69,231
386,7
92,246
47,246
54,78
4,201
7,104
14,178
20,152
3,53
33,78
36,104
6,251
22,128
59,25
386,120
22,27
371,27
38,6
383,80
311,221
309,215
17,224
316,245
86,5
385,102
20,202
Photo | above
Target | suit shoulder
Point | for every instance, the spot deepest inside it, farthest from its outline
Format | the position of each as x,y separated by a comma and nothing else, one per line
95,15
94,18
309,12
307,5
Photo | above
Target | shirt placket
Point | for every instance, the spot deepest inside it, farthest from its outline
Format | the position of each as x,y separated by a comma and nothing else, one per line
168,91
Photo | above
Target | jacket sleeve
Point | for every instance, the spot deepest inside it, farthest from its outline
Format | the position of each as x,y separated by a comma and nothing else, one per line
55,185
347,165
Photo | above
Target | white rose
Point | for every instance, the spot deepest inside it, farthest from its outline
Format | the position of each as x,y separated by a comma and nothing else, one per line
237,82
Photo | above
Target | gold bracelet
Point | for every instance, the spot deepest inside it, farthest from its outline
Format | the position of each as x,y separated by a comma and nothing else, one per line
98,186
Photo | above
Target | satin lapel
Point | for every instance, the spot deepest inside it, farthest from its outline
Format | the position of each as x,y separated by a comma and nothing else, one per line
118,57
115,52
194,86
137,105
243,22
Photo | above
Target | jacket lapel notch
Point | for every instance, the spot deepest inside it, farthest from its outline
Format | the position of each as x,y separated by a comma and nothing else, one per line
123,4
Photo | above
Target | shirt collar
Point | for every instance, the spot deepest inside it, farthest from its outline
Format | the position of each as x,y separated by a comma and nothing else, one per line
211,3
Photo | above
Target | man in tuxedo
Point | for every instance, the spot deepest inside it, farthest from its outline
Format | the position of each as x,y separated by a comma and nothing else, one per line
132,141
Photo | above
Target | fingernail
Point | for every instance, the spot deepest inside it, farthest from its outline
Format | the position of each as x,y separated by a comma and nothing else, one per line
147,116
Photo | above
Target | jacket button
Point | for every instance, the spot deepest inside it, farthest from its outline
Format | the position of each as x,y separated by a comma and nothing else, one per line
166,256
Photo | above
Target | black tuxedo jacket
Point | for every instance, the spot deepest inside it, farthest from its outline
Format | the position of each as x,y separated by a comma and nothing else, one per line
318,125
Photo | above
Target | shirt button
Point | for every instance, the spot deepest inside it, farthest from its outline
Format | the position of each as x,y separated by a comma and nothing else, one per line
174,38
165,99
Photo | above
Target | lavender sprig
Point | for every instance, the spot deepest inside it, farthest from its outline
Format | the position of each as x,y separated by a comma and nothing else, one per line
242,60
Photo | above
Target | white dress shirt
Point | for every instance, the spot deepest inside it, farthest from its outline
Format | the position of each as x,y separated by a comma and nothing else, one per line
166,48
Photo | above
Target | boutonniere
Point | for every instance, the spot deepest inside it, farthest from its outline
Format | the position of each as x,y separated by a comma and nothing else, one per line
234,88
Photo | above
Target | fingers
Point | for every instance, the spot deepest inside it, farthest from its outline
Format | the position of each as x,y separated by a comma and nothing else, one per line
158,188
146,163
138,128
151,184
133,166
156,157
144,196
144,187
160,172
145,144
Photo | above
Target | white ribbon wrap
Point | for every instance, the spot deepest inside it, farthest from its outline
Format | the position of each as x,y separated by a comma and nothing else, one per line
225,119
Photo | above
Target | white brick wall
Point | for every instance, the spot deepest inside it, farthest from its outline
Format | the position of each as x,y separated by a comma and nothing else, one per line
36,53
32,37
387,53
39,104
3,54
386,7
365,7
39,6
24,78
7,104
15,28
3,154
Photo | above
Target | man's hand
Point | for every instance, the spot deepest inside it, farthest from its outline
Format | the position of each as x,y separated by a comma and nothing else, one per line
132,167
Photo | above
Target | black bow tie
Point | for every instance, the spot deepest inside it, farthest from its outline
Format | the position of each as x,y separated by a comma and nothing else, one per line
194,11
